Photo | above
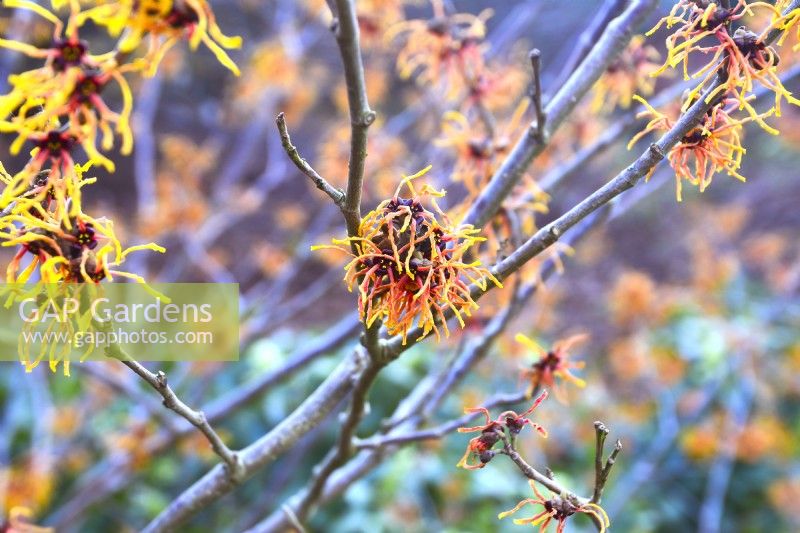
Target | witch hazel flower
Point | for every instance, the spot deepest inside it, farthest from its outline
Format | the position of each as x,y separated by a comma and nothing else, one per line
559,508
409,265
552,365
480,447
714,146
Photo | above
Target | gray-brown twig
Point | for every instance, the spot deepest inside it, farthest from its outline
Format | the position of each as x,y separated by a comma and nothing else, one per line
535,56
336,195
601,470
361,116
610,44
232,461
531,473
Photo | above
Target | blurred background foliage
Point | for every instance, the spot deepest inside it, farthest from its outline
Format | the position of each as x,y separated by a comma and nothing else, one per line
693,309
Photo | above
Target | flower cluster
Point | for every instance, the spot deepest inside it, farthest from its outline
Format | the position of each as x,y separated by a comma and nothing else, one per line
486,110
408,264
696,20
558,508
551,365
60,106
59,109
445,51
163,23
478,155
65,244
491,432
738,60
713,146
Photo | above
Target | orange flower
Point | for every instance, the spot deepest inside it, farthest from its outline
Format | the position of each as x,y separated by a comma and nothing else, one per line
408,264
697,20
481,446
552,364
558,508
713,146
746,60
744,57
478,155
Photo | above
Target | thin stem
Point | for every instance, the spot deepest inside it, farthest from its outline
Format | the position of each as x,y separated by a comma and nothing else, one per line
440,431
541,117
601,471
607,48
531,473
232,460
361,116
335,194
344,448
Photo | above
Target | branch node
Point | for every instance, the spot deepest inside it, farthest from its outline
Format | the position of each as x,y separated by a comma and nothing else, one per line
367,118
657,151
236,469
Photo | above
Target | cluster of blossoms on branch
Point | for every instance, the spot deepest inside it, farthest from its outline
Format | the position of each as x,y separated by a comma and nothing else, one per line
445,51
409,264
629,74
448,53
559,508
60,109
739,61
506,428
493,431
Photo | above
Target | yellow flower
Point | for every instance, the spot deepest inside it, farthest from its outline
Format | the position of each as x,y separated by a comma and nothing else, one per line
66,89
165,22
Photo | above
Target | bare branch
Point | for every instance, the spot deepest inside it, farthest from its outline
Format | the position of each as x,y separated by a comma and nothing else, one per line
610,44
601,471
233,463
336,195
609,10
536,64
531,473
265,450
344,447
440,431
129,388
361,116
